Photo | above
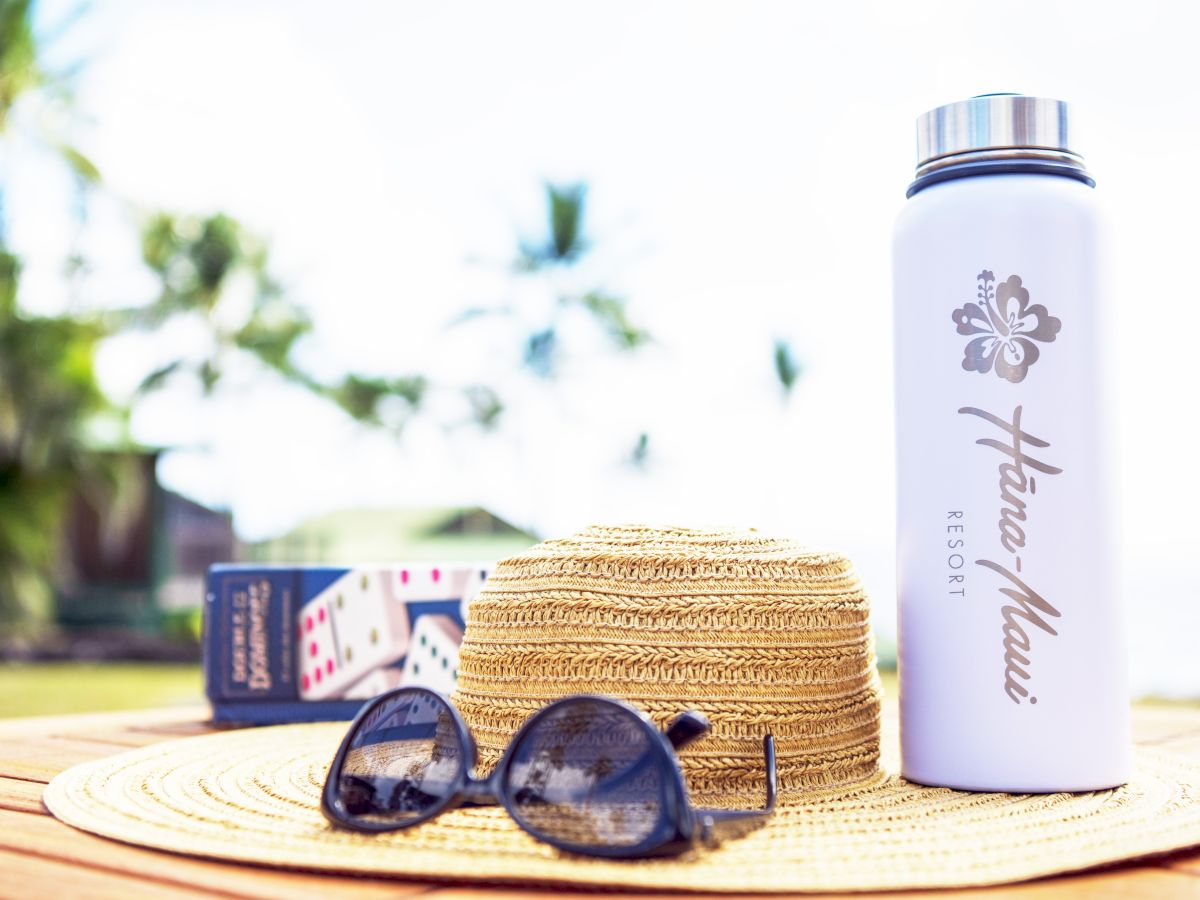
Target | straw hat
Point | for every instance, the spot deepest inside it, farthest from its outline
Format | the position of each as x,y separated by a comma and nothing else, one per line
758,634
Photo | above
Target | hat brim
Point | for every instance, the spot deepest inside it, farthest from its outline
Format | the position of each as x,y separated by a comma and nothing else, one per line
252,796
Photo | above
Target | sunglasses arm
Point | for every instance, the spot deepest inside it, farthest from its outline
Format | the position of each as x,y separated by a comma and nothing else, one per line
717,825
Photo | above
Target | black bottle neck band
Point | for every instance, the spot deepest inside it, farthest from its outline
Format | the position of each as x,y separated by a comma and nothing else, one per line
1000,167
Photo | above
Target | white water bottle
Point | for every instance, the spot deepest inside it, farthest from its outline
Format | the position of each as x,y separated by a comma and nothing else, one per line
1012,657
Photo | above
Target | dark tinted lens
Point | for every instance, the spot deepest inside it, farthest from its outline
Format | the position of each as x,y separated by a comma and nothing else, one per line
588,773
402,762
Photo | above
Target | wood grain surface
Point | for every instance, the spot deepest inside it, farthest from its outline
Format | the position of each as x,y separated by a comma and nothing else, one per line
40,857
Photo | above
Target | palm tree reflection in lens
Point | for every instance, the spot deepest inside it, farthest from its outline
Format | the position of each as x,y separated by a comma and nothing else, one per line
403,762
587,774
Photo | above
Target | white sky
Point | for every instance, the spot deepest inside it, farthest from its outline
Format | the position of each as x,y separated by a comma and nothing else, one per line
746,162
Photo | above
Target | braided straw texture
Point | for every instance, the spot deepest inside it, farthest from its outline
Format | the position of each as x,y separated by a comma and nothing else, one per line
760,635
252,796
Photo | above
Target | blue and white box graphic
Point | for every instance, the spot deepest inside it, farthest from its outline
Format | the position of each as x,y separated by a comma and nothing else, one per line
307,643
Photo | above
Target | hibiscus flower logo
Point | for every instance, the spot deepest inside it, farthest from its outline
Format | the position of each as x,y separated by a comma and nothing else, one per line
1007,326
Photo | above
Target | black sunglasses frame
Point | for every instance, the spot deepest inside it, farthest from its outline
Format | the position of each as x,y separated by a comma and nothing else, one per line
679,826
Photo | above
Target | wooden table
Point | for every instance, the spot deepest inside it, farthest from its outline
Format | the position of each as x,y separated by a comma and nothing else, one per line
40,857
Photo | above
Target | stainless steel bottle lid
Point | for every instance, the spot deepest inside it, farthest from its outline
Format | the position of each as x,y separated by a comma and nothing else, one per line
990,130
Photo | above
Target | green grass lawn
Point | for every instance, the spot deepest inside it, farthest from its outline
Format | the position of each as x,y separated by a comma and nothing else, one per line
36,689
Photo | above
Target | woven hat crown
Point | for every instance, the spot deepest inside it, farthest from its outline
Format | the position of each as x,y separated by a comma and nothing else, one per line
758,634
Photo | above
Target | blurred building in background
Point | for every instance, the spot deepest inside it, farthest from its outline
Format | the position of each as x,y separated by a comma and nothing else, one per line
134,549
136,553
447,534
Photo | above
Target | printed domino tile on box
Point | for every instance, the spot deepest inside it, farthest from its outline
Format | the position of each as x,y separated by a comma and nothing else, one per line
355,625
432,659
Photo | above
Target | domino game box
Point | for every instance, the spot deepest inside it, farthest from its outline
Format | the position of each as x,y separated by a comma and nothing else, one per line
312,643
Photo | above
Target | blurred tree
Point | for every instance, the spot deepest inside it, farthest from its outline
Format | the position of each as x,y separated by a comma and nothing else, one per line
203,265
48,390
49,396
24,80
564,246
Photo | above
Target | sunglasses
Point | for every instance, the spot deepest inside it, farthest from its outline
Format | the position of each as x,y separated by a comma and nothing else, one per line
587,774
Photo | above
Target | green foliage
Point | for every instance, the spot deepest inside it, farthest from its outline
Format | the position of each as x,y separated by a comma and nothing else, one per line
195,259
48,394
19,71
206,268
184,626
10,270
563,248
22,77
610,312
553,257
485,404
566,221
48,391
199,261
565,244
365,398
787,367
641,451
83,167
